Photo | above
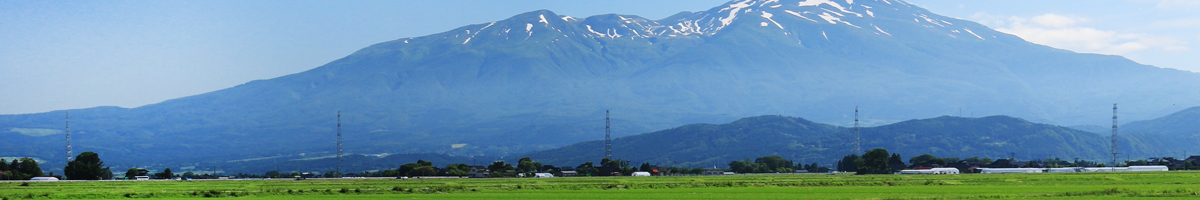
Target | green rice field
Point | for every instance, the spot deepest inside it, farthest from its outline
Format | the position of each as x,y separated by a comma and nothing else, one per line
1175,184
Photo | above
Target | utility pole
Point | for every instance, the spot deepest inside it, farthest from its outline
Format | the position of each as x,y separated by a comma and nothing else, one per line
607,136
857,140
1114,136
338,169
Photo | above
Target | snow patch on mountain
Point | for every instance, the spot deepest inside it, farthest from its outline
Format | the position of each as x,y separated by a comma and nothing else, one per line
818,3
529,28
881,30
733,12
799,15
973,33
835,20
589,28
767,15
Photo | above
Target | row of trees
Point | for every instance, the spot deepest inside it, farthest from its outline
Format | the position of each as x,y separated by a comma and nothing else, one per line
772,164
874,161
86,166
20,169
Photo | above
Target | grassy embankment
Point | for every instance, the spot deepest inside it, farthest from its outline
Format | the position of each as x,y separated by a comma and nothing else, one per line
965,186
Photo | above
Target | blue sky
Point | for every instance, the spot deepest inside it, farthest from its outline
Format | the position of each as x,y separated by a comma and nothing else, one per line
77,54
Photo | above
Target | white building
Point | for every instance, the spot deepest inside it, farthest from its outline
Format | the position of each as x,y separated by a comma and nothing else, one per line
44,178
640,174
1158,168
1009,170
931,171
1062,170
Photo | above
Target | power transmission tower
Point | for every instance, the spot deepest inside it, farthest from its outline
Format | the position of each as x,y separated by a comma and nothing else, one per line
68,122
1114,136
607,136
857,140
338,168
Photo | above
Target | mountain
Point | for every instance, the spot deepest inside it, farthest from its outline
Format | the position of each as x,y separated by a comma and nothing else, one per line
1180,129
806,142
540,80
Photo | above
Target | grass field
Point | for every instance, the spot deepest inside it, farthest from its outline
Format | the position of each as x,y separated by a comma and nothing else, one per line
1178,184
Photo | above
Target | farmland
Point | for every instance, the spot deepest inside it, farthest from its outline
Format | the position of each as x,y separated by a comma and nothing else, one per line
763,186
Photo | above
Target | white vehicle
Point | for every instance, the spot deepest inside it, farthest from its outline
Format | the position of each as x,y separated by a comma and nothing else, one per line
640,174
141,178
543,175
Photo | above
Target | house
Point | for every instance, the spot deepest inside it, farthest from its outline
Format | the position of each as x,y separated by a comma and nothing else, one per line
714,172
609,171
479,172
1195,160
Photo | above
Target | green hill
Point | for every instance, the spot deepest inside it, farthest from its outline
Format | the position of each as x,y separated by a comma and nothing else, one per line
806,141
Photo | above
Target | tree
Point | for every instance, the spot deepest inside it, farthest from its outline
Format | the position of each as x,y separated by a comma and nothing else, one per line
499,167
458,169
528,166
773,163
645,167
165,174
270,174
23,169
86,166
875,161
189,174
30,166
423,171
848,164
587,169
131,173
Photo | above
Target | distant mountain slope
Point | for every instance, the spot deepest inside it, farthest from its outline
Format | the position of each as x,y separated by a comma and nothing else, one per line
805,141
1185,123
540,80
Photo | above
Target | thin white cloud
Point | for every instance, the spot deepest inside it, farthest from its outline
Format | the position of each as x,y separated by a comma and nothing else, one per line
1057,21
1066,32
1178,4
